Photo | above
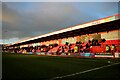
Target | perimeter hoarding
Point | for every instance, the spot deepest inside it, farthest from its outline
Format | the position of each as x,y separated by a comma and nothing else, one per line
104,55
87,55
117,55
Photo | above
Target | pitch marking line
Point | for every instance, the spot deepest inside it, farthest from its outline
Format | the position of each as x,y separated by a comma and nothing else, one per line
59,77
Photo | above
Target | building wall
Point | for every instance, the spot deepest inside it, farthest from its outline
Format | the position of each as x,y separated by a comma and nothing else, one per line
71,40
111,35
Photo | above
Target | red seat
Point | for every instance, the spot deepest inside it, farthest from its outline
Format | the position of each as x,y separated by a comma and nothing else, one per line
97,49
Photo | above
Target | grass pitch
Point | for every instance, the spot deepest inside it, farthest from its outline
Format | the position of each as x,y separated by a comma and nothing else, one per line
19,66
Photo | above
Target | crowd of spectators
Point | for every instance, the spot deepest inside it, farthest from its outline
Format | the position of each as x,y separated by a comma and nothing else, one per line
66,48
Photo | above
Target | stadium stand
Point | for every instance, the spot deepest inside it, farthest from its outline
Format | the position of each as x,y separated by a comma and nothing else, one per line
90,37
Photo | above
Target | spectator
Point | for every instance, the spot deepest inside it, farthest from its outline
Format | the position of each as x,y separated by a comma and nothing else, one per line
87,46
113,48
66,49
107,48
70,48
66,43
81,48
38,50
93,42
103,40
97,43
76,49
63,49
33,51
60,50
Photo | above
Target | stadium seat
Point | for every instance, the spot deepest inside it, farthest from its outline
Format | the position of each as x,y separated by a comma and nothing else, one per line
97,49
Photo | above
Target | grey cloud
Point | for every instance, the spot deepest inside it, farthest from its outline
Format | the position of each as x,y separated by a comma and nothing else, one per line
51,17
40,18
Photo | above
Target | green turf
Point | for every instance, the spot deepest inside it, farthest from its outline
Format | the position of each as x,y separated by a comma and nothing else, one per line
18,66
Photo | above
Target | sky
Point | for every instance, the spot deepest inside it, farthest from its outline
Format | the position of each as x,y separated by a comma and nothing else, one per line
23,20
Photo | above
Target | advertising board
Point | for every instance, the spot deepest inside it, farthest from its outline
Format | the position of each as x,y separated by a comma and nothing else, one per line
110,55
117,55
87,54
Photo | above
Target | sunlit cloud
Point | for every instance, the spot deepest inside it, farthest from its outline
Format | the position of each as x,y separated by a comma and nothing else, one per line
29,19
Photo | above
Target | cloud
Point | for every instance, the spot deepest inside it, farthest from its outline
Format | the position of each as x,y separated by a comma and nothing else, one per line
28,19
41,19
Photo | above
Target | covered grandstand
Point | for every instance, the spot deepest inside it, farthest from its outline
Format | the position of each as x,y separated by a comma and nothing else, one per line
103,32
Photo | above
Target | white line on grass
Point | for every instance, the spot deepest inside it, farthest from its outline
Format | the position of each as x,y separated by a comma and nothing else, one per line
59,77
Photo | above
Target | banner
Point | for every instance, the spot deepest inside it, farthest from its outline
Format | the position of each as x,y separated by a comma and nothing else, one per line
30,53
87,54
117,55
110,55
